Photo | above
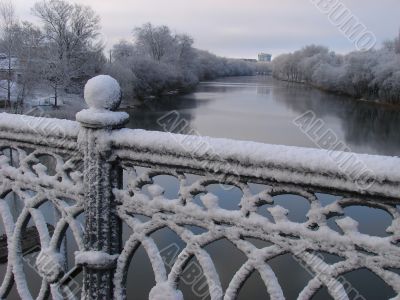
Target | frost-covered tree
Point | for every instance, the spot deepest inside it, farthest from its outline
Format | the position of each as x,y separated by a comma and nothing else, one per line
397,44
72,44
263,68
300,65
21,42
123,51
159,61
155,41
369,74
393,45
9,29
29,39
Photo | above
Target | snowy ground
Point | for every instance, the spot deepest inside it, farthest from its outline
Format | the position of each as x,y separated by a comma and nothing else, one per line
69,104
40,100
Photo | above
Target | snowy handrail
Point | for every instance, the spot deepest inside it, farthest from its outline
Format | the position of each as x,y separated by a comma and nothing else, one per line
308,167
39,131
95,172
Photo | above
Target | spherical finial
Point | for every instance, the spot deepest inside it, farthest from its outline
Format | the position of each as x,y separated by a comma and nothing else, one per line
103,92
103,96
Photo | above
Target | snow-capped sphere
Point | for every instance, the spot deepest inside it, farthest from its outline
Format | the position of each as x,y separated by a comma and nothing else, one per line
103,92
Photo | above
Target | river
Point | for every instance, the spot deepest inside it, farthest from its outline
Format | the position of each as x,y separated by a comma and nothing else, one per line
262,109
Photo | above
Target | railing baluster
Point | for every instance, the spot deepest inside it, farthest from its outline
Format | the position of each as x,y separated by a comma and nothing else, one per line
103,227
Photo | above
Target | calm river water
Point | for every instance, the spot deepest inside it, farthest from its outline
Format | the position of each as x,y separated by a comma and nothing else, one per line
262,109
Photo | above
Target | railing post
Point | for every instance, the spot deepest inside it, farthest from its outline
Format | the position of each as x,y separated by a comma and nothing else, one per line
102,226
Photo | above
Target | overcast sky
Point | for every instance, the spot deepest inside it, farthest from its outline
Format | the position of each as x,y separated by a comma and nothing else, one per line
240,28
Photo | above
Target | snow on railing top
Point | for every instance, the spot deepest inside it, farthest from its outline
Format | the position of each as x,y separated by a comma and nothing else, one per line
46,126
378,174
39,130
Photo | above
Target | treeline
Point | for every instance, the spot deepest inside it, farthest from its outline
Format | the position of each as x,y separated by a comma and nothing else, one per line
65,49
372,75
160,61
61,52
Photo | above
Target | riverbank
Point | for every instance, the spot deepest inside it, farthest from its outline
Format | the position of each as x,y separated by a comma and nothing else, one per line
338,93
37,104
373,75
262,109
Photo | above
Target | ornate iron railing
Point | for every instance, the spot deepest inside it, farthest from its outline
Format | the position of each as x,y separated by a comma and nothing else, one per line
98,177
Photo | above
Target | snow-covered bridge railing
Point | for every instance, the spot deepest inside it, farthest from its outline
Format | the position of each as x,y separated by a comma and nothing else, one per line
95,173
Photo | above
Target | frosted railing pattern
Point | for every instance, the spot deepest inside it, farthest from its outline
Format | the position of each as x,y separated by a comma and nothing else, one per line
39,166
195,206
108,178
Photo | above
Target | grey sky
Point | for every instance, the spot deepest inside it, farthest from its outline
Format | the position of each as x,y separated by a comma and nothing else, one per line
238,28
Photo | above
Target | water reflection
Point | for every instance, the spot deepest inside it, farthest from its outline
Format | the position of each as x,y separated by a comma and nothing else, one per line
366,127
146,114
262,109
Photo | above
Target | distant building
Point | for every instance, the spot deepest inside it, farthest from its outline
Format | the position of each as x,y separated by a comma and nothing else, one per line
265,57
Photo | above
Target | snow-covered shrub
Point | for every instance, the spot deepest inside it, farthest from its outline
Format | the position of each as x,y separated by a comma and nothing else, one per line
369,74
160,62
